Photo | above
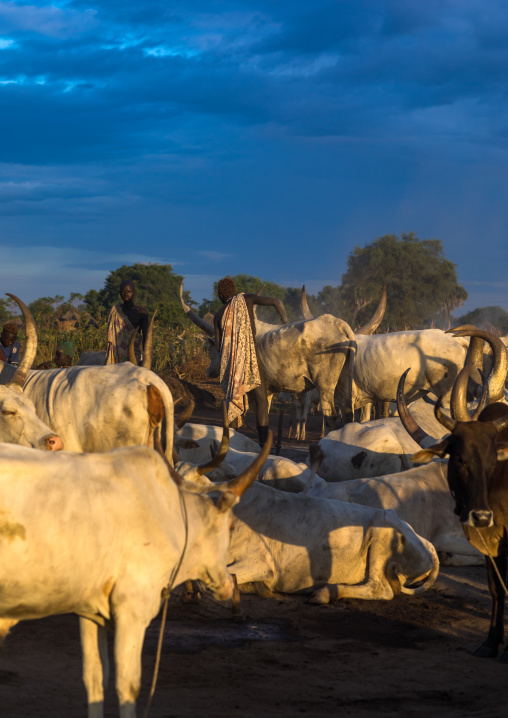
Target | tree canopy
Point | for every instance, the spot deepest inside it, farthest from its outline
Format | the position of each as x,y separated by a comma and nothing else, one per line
251,285
157,287
493,315
421,284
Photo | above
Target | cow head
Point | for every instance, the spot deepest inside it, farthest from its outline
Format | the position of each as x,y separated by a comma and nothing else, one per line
474,450
19,423
206,555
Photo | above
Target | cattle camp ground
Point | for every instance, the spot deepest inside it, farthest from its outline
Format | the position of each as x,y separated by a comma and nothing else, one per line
411,656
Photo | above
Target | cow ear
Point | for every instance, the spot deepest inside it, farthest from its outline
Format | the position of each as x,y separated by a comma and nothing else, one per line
426,455
502,452
226,501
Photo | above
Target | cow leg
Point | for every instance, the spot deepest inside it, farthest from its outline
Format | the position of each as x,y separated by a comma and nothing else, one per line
129,636
365,413
328,407
94,648
489,648
375,553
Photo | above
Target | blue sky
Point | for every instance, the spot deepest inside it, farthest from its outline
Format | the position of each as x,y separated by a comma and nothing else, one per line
267,138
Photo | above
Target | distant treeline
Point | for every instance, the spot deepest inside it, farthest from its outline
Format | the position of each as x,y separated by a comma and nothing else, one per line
421,284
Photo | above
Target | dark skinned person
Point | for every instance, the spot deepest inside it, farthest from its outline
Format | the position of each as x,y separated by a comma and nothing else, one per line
240,372
63,357
123,320
9,345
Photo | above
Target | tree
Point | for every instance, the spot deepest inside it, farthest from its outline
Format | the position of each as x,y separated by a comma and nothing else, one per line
247,284
496,316
157,287
420,282
5,313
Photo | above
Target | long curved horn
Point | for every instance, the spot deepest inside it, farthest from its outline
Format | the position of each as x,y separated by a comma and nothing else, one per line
484,399
185,415
198,321
242,482
497,376
474,353
216,460
130,351
446,421
377,317
408,422
147,351
19,376
458,399
428,582
304,307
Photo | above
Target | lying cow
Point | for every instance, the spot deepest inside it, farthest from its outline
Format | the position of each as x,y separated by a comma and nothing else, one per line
104,536
331,549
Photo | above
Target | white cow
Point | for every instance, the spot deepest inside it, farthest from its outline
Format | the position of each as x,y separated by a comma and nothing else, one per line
103,536
297,356
332,549
374,448
195,442
19,423
420,496
91,358
97,408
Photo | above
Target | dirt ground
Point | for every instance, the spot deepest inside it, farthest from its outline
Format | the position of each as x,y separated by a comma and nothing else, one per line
411,656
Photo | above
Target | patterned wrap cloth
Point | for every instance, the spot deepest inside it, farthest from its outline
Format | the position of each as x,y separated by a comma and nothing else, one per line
119,333
239,372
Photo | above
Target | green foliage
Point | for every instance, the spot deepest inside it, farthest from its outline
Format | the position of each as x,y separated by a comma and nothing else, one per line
252,285
5,312
420,282
494,315
172,348
157,287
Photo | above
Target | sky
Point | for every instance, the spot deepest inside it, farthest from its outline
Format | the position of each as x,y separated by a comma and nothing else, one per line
247,136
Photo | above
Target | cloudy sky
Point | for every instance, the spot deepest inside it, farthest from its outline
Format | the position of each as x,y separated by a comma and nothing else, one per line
250,136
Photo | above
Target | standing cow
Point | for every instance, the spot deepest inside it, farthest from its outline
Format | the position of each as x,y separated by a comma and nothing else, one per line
298,356
104,536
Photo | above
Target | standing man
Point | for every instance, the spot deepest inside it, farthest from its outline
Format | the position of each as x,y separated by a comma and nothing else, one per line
9,345
240,373
123,320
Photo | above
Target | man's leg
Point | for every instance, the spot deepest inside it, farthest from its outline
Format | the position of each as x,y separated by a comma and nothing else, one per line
259,395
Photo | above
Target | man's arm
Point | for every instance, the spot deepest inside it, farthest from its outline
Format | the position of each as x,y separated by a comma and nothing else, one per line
216,326
267,302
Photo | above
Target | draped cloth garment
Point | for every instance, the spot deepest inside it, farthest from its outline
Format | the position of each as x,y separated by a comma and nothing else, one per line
239,372
119,333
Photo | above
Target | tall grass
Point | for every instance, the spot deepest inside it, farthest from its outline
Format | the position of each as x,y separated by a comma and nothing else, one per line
182,352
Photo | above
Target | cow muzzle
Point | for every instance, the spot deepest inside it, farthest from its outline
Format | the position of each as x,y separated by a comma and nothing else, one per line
51,442
480,519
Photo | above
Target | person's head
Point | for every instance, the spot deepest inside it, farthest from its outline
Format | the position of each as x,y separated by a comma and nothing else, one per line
64,354
9,334
226,288
127,290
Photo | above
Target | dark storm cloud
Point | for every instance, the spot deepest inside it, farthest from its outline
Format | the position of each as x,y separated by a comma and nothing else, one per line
220,121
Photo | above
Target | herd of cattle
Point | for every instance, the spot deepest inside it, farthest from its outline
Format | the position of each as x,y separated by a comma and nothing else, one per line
140,502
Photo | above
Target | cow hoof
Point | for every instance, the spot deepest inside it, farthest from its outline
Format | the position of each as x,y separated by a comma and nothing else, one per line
485,651
320,597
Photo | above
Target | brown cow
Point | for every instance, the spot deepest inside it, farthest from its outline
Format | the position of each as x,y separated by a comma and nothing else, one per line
478,481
